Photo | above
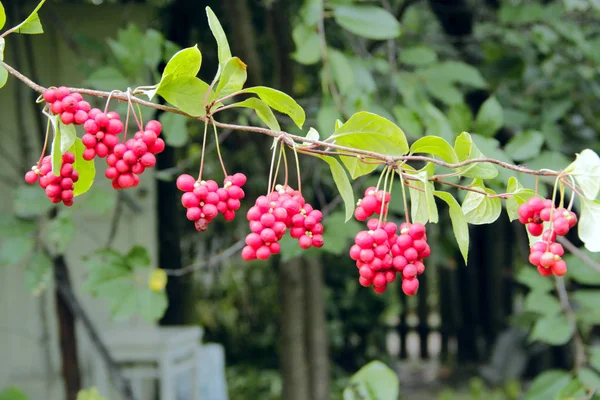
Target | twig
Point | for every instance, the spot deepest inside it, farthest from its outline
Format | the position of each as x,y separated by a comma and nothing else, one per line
288,136
225,254
580,358
578,253
114,224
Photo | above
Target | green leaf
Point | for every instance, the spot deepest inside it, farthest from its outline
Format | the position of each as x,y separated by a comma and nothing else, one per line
490,117
67,136
16,249
185,62
308,45
589,224
480,209
232,78
152,304
263,111
367,131
343,184
85,168
2,44
32,24
2,16
586,171
341,70
459,222
589,378
374,381
3,76
525,145
219,34
418,55
367,21
337,239
520,196
580,271
586,301
408,121
312,134
423,207
30,201
531,278
446,93
467,150
555,330
56,153
89,394
186,93
453,72
436,146
138,257
460,117
594,356
542,303
547,385
13,393
279,101
10,226
175,131
107,78
39,273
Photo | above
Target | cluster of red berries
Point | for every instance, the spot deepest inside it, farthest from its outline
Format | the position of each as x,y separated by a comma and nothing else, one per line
130,159
70,106
380,253
271,217
204,200
101,133
371,203
58,188
546,254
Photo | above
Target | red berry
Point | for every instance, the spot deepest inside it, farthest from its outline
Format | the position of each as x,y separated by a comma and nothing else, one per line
547,259
185,183
31,177
559,268
50,95
535,229
410,286
544,271
155,126
561,226
248,253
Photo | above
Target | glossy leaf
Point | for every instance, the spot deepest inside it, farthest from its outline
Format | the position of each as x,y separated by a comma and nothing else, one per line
186,93
263,111
217,30
525,145
520,196
233,77
85,168
586,171
547,385
374,381
367,131
32,25
459,222
555,330
342,183
467,150
185,62
436,146
279,101
2,16
367,21
490,117
67,136
589,224
480,209
312,134
56,153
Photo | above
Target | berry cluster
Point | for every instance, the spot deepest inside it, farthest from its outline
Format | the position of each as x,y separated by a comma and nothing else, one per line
546,254
101,133
371,203
70,106
130,159
204,200
272,215
58,188
380,253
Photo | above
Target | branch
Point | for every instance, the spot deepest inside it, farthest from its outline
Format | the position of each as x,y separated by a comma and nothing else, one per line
225,254
580,358
289,138
577,252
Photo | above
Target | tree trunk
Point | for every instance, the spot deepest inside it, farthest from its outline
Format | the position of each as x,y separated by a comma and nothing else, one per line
66,332
317,342
292,352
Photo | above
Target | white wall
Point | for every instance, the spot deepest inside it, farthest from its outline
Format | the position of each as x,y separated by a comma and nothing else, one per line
29,353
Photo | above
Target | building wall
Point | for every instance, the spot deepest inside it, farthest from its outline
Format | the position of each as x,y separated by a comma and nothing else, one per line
29,352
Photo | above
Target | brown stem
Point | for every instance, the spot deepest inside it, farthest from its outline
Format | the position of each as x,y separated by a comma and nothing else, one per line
580,357
578,253
355,152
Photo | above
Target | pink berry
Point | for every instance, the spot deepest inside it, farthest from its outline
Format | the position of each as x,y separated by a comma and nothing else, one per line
31,177
185,183
410,286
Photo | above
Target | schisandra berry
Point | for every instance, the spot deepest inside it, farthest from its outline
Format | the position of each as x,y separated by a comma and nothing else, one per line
58,188
101,133
130,159
371,203
69,105
546,255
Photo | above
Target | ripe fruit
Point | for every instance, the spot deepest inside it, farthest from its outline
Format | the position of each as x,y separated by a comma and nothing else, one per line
58,188
371,203
70,106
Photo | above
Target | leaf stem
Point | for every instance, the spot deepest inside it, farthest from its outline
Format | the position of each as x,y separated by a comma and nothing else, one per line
297,169
406,210
45,144
219,150
203,151
385,181
281,155
276,142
